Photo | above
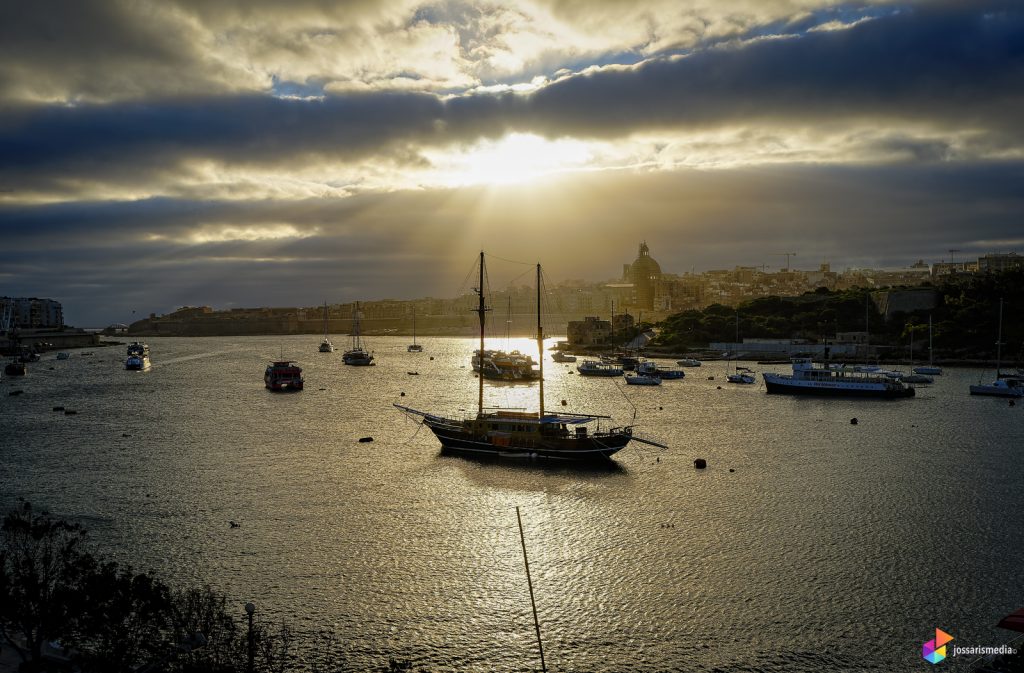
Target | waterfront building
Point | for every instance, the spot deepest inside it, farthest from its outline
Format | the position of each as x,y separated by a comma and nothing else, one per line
591,331
30,313
995,263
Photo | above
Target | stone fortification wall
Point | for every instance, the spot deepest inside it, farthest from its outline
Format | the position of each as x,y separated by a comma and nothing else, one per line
890,302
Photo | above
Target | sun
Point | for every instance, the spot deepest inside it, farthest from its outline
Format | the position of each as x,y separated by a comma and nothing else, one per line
517,157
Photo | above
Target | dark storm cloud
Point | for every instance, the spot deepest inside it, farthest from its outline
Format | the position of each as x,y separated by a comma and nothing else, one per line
943,63
98,49
132,138
945,66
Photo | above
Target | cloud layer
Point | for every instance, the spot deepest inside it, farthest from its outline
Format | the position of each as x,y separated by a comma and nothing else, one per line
323,140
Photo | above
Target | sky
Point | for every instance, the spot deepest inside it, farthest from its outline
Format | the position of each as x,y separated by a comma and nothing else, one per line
156,154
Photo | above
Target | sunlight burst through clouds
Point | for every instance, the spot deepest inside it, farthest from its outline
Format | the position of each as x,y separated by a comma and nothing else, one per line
518,157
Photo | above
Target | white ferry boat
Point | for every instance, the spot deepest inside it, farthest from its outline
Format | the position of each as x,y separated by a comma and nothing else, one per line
834,380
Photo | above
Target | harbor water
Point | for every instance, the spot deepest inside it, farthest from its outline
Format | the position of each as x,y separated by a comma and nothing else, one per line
808,544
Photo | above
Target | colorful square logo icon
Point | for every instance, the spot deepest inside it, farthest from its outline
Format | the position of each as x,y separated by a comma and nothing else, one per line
934,651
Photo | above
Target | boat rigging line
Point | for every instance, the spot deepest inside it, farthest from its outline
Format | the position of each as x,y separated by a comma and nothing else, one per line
619,388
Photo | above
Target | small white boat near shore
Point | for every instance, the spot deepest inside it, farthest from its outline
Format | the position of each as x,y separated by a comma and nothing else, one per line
642,380
1004,385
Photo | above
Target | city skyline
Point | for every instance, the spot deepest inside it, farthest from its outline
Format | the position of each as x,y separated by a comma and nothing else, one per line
255,154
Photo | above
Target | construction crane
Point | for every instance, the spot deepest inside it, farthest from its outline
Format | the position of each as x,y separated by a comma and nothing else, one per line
787,255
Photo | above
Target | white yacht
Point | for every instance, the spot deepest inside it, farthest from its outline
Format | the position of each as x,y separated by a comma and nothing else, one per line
834,380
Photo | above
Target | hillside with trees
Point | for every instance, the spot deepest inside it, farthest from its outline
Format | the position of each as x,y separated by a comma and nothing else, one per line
964,320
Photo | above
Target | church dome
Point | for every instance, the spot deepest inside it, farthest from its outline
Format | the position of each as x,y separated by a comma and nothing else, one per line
644,267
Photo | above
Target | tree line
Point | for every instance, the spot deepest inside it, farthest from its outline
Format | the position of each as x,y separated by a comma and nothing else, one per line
964,319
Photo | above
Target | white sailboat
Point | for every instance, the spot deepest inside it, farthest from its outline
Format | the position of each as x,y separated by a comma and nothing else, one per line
740,374
915,376
1003,386
414,347
357,356
326,346
930,369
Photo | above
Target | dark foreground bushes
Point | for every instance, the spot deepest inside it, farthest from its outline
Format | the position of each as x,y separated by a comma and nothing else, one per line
63,608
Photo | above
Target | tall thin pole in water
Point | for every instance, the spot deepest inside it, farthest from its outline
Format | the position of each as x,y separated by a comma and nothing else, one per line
529,582
867,328
540,348
999,339
481,310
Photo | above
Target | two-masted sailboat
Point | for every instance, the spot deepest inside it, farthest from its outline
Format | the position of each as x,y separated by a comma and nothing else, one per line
521,434
357,356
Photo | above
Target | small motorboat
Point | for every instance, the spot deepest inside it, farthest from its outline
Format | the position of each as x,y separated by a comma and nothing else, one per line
649,368
597,368
743,376
688,362
642,380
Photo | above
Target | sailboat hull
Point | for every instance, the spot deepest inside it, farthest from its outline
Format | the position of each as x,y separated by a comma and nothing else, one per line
455,438
997,390
778,384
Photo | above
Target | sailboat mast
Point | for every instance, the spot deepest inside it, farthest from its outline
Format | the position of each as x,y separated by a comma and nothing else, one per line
355,327
867,330
736,344
481,311
931,355
999,340
911,348
540,348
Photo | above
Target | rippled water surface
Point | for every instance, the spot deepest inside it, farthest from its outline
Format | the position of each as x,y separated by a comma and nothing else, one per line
831,547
